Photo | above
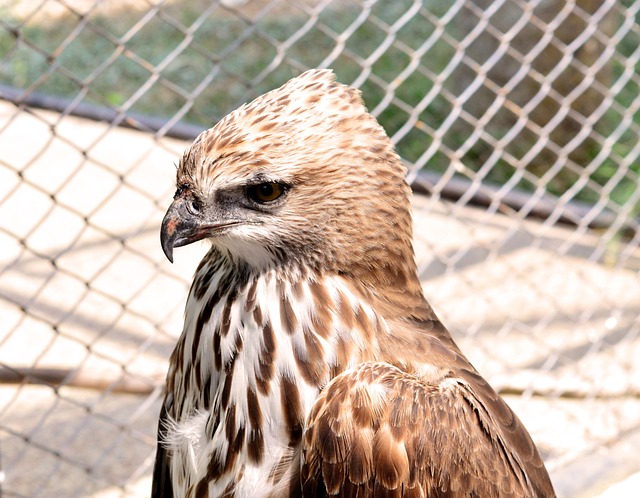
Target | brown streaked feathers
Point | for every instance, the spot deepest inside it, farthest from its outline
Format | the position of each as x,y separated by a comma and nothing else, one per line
310,364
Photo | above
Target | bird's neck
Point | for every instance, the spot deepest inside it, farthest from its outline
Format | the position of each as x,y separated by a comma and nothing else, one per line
278,323
256,350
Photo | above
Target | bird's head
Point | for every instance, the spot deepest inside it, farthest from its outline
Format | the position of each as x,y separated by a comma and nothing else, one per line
303,175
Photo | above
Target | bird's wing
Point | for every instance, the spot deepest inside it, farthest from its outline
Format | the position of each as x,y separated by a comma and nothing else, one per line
161,486
377,431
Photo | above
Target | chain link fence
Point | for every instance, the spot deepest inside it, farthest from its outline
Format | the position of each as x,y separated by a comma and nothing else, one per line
519,120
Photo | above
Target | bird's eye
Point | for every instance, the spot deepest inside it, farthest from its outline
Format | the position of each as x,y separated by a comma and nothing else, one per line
265,192
194,206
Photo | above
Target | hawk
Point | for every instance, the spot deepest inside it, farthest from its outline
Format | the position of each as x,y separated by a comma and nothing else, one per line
310,364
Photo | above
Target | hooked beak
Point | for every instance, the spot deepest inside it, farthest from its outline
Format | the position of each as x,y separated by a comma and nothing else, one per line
181,227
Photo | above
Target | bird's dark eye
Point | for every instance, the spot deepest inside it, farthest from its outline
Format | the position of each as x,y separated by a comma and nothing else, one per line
265,192
194,206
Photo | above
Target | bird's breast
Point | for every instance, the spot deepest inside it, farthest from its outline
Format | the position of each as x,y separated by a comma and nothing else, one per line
249,365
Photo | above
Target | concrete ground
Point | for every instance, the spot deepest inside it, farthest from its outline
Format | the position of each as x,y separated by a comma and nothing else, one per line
549,314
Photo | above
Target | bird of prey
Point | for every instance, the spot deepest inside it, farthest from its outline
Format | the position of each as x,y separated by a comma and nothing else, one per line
310,364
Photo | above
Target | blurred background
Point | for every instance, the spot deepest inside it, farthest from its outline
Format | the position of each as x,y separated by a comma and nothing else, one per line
519,122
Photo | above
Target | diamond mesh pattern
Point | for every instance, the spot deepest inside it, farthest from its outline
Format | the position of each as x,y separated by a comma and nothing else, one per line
519,119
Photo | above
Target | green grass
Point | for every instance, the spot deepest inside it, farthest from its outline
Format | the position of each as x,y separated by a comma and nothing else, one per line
113,62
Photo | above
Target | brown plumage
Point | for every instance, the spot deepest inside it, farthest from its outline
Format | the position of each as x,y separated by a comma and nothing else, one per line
310,364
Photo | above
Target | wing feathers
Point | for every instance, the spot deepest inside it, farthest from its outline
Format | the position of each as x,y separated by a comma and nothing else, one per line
391,463
162,486
360,460
377,431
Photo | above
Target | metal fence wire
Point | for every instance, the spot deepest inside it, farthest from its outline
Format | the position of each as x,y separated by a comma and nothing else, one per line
519,121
